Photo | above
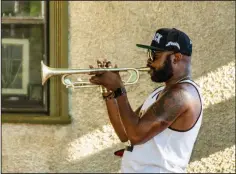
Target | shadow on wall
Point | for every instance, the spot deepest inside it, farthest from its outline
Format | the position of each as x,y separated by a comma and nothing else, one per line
217,133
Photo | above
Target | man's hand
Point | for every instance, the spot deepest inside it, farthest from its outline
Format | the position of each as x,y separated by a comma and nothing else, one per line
108,79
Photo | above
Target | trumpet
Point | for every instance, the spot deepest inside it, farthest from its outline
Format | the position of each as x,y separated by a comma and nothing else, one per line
47,72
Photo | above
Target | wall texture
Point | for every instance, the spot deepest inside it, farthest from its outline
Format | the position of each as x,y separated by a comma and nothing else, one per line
110,30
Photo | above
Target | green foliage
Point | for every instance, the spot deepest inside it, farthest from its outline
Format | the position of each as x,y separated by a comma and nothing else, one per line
35,8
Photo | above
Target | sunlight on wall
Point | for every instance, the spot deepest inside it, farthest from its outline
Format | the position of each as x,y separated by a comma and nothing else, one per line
215,162
91,143
216,87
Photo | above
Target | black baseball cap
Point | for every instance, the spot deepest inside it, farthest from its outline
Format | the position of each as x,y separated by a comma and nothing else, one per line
170,39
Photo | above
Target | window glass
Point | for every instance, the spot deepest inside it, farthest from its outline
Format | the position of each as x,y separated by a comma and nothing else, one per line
24,45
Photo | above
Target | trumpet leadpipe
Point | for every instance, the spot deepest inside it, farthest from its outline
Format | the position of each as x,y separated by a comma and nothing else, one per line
143,69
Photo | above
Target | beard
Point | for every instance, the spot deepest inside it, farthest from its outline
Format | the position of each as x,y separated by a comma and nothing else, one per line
163,74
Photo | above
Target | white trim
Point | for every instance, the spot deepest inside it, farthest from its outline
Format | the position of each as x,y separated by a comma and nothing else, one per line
42,9
25,66
157,37
173,44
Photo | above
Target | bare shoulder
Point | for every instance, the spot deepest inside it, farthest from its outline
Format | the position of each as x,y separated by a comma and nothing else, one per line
172,103
189,92
178,94
192,102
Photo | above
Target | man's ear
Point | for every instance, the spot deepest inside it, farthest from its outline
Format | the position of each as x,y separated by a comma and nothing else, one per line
178,57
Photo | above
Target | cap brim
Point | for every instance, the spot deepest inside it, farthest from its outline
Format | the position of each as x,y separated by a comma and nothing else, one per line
149,47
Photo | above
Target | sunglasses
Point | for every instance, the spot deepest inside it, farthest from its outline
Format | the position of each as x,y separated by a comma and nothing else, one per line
152,54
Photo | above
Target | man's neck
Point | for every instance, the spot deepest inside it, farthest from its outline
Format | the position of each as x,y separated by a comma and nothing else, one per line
176,79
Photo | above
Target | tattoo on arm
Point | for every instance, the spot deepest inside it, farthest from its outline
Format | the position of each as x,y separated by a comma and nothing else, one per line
170,105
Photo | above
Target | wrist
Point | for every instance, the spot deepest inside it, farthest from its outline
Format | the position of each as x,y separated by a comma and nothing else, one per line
108,96
119,92
107,93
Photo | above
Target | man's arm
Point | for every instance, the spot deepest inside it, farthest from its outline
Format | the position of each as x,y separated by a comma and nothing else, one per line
114,116
157,118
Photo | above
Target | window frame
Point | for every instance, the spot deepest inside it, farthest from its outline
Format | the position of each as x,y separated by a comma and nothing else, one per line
58,57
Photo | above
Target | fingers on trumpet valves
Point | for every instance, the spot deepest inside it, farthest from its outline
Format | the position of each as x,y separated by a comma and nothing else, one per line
99,64
104,64
96,73
108,64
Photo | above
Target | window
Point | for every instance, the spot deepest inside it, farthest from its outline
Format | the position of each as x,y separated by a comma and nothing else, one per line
32,31
24,44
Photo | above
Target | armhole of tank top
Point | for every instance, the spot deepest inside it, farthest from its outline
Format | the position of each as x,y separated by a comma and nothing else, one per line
157,89
177,130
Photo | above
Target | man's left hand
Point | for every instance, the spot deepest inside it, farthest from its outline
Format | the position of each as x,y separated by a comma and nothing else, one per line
108,79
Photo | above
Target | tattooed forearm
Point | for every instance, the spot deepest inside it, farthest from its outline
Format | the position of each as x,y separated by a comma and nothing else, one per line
170,105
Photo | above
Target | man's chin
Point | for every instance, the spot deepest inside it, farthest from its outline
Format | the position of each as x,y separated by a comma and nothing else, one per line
156,80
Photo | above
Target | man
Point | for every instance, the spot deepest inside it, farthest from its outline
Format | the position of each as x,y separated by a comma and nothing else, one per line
163,130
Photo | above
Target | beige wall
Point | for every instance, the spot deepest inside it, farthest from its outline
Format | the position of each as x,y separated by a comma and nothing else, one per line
110,30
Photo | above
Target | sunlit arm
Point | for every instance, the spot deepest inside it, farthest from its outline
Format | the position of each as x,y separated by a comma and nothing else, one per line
115,119
114,116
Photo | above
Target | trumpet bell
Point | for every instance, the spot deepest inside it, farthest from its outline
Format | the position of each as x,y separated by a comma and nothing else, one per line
45,73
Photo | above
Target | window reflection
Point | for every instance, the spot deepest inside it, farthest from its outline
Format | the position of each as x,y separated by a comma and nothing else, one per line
22,8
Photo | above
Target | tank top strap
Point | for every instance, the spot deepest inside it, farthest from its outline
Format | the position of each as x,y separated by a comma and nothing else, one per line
191,82
198,90
156,91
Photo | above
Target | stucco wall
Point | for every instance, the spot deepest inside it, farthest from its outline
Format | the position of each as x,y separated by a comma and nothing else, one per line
110,30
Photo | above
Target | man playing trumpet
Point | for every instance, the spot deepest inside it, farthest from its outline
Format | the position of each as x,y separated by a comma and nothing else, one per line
163,130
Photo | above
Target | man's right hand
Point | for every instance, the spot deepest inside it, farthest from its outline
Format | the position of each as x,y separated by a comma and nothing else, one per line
102,64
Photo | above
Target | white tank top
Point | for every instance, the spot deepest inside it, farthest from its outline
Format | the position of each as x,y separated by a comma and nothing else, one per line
169,151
